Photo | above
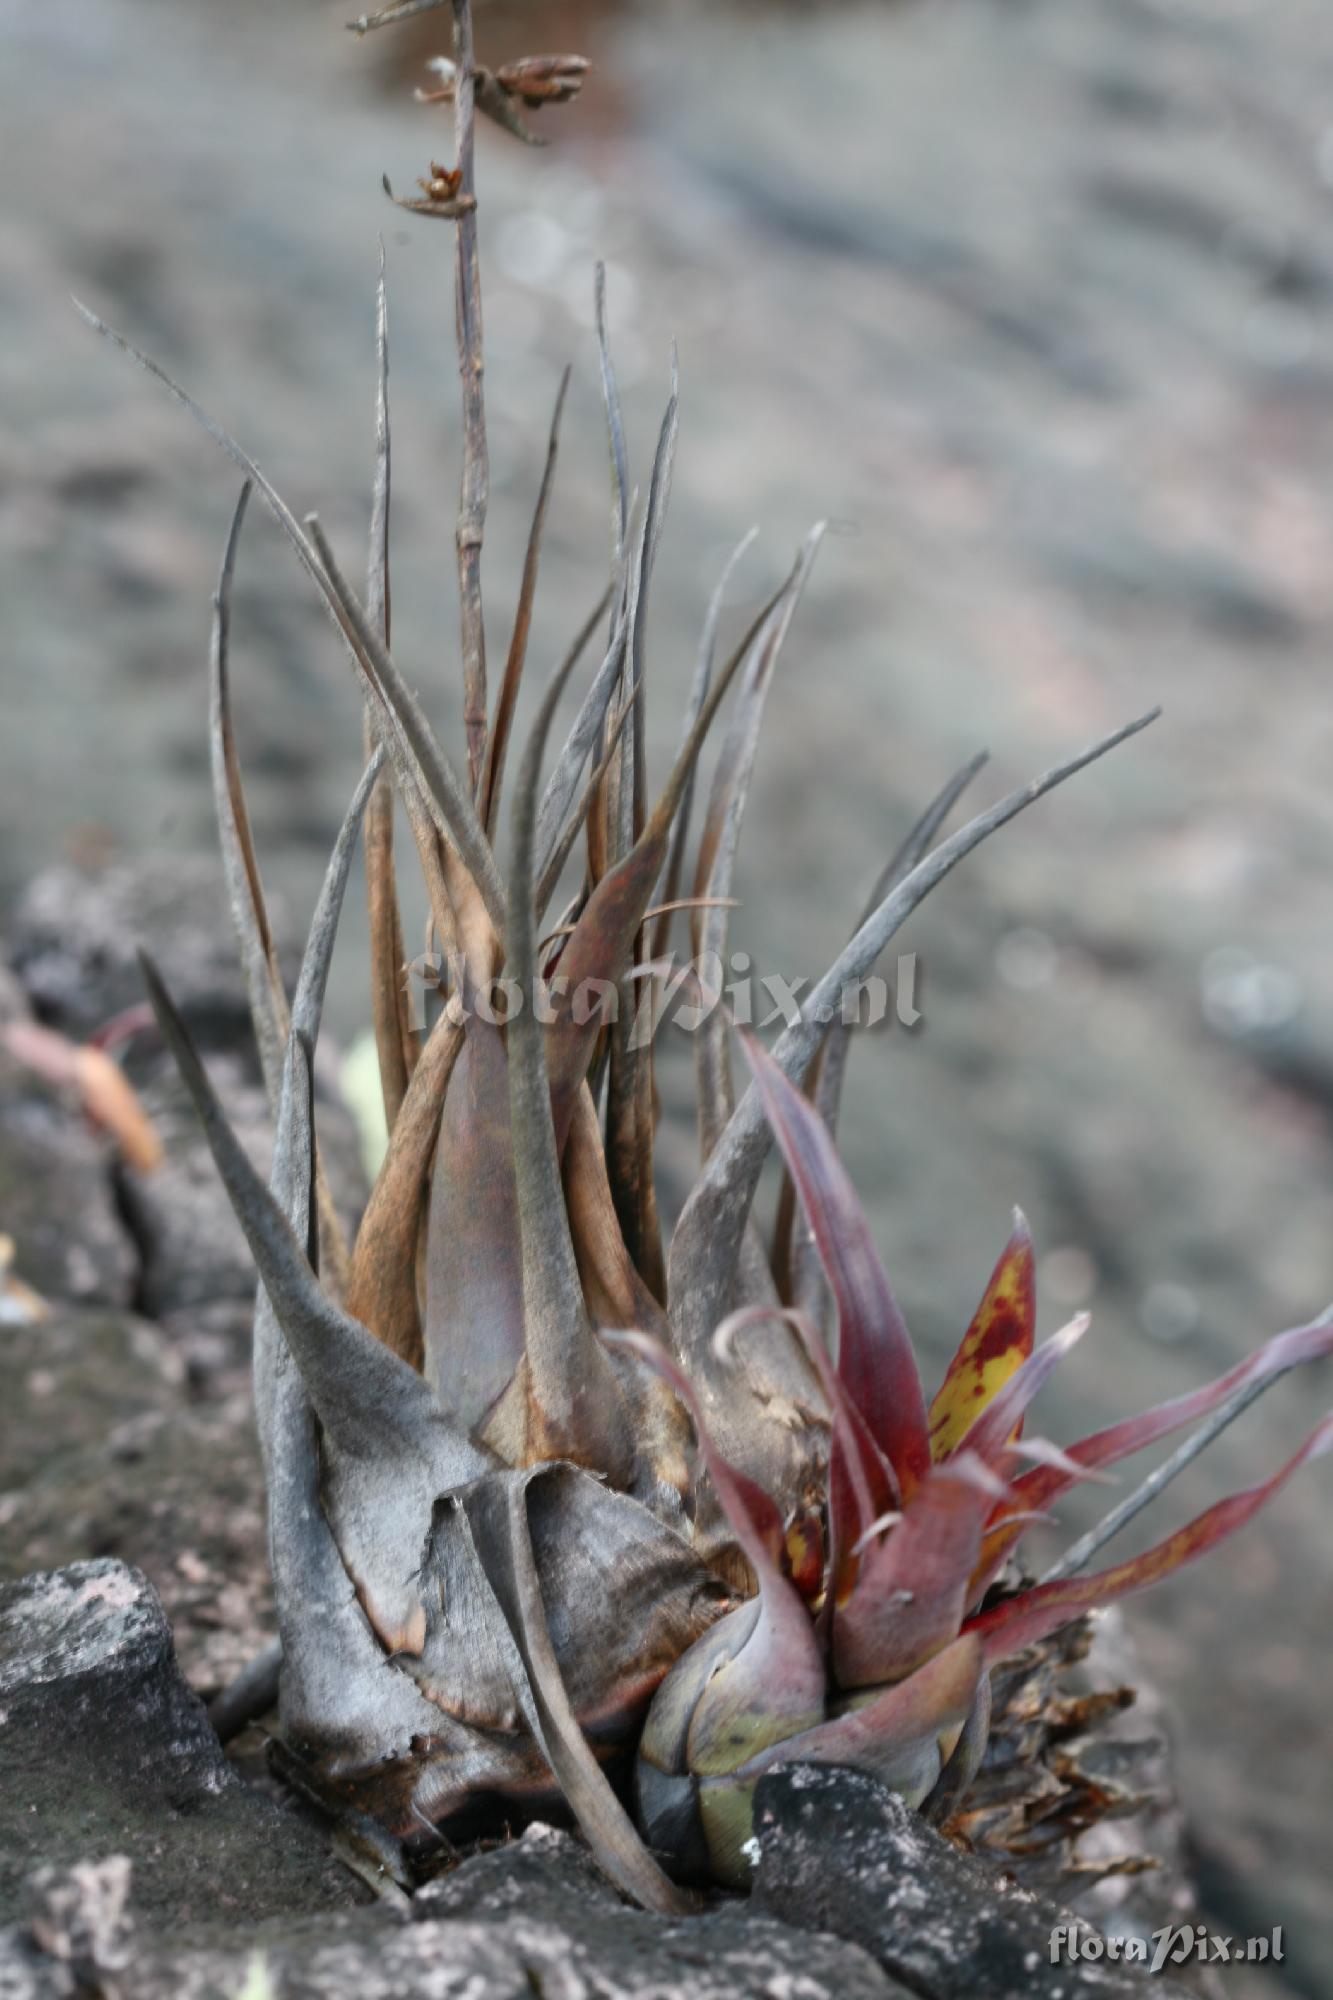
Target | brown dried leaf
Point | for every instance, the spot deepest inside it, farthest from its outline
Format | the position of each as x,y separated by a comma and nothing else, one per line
107,1098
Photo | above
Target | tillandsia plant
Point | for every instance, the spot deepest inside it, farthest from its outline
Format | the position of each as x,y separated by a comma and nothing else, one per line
558,1509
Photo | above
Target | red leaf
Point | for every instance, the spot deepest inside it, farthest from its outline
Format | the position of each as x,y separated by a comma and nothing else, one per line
1035,1490
875,1358
911,1592
1034,1614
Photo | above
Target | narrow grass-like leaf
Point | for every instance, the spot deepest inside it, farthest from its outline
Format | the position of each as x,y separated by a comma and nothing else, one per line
837,1046
603,938
721,837
615,426
629,1097
498,741
584,731
394,1044
703,674
245,892
439,783
564,846
795,1258
1034,1491
707,1242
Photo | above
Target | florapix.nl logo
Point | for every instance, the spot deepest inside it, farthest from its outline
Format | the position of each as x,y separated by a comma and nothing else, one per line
683,994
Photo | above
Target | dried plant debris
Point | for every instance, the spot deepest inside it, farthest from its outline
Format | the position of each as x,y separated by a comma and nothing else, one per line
560,1507
95,1081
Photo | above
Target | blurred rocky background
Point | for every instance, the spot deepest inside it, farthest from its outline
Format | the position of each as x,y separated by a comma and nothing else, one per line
1034,298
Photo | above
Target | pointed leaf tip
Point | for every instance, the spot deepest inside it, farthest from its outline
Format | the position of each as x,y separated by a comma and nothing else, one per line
1034,1614
996,1344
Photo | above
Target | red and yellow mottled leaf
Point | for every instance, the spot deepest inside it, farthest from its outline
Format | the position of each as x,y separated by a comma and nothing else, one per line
990,1434
996,1344
1034,1614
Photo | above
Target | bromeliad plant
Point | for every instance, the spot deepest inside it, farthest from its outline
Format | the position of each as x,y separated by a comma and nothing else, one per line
522,1491
876,1651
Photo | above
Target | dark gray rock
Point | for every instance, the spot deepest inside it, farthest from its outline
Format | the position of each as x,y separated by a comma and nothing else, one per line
532,1917
191,1250
57,1198
104,1451
104,1751
548,1881
76,933
172,1487
74,1385
73,944
839,1853
544,1874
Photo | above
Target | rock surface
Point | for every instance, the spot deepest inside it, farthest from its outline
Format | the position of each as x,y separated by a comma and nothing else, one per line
106,1453
536,1916
57,1196
1039,296
105,1751
126,1426
838,1853
77,931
